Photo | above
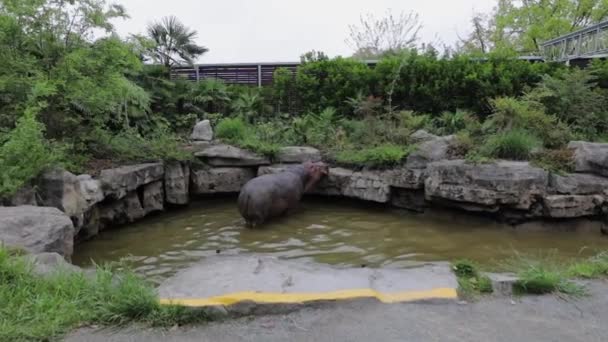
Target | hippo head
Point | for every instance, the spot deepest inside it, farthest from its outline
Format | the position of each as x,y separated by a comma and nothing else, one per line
316,171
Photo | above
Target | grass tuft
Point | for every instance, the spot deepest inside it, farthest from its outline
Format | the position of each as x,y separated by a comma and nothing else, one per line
41,308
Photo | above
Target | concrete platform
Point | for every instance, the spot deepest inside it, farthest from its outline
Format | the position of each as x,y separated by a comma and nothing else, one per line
225,281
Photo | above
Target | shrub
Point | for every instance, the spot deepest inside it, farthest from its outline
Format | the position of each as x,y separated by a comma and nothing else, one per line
231,129
25,153
129,145
574,98
557,161
470,281
515,145
511,113
376,157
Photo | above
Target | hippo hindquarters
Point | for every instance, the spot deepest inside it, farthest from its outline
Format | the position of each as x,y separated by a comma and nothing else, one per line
251,211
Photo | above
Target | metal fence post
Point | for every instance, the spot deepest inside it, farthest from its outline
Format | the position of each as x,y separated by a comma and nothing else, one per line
259,76
198,76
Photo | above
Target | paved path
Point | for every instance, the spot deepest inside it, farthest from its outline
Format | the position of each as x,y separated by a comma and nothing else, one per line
546,318
228,280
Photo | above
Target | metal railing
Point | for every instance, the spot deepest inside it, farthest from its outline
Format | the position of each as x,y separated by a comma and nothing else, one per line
254,74
590,42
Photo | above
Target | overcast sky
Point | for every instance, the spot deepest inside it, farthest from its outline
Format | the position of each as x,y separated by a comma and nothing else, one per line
282,30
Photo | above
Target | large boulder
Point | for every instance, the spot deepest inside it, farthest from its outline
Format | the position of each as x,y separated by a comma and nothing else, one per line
26,195
569,206
590,157
226,155
408,199
485,187
46,264
202,131
220,180
177,183
429,151
37,229
90,190
125,210
421,136
298,154
578,184
405,177
116,183
62,190
153,198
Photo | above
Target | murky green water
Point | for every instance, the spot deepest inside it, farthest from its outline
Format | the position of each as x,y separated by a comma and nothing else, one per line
328,231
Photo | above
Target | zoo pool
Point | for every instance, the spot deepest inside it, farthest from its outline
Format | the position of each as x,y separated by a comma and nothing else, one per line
329,231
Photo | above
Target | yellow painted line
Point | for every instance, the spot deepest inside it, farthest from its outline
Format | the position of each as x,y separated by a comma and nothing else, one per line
293,298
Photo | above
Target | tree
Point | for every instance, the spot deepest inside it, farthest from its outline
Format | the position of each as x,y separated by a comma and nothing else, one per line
174,43
523,25
391,33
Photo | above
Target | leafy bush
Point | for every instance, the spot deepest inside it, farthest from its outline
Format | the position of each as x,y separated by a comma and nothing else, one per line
515,144
329,83
231,129
470,281
574,98
557,161
375,157
527,114
25,153
130,146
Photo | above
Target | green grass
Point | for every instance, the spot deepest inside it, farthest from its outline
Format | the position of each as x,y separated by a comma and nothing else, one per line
591,268
37,308
559,161
375,157
232,129
541,274
515,144
471,283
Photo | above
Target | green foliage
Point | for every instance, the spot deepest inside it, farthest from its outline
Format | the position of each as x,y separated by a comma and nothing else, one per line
231,129
470,281
375,157
575,99
527,114
516,144
25,153
329,83
130,146
594,267
42,308
560,161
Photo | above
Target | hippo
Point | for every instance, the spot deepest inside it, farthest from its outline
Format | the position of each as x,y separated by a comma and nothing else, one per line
273,195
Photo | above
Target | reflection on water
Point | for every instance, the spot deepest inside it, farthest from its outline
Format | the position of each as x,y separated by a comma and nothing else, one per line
329,231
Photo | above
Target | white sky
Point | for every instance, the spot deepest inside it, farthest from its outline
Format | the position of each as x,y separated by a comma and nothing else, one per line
282,30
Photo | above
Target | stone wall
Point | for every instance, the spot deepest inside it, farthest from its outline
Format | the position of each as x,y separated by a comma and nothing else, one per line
515,191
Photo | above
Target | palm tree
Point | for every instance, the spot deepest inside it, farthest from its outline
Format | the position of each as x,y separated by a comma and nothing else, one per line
174,42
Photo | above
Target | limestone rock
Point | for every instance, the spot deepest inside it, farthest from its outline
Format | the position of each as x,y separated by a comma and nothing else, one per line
421,136
367,186
578,184
62,190
116,183
226,155
90,190
90,224
24,196
408,199
485,187
177,183
428,151
202,131
405,178
153,197
125,210
46,264
37,229
220,180
298,154
590,157
567,206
